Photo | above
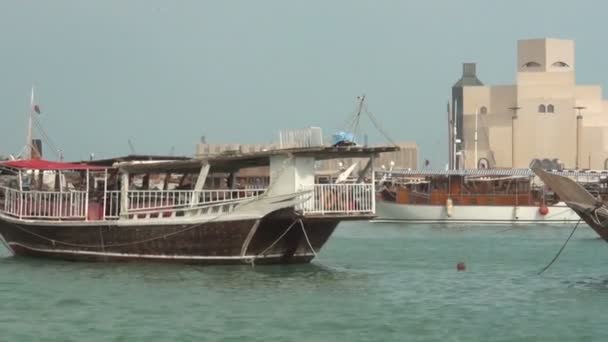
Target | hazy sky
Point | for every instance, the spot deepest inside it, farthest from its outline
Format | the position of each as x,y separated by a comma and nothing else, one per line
164,73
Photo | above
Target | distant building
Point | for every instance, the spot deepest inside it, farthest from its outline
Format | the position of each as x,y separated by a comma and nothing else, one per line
545,118
204,150
255,177
406,158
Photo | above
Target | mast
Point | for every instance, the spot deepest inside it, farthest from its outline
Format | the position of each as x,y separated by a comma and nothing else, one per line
450,137
476,118
361,99
455,140
28,143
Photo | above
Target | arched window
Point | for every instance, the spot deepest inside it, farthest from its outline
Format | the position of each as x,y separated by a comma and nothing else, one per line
606,164
550,109
560,64
483,163
542,108
532,65
483,110
546,164
559,166
535,163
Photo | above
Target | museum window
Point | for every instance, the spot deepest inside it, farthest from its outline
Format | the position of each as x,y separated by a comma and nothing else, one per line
542,108
560,64
532,65
550,109
483,110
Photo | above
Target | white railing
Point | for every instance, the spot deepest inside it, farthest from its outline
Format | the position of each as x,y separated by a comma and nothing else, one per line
218,208
145,200
326,199
112,204
147,204
334,199
73,204
167,199
44,204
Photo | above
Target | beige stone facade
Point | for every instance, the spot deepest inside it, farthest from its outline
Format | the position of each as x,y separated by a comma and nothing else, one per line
537,118
405,158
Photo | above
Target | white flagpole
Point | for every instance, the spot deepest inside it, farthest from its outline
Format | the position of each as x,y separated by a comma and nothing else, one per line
28,145
476,124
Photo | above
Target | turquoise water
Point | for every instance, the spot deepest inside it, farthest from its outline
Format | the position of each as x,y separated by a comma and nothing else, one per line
372,282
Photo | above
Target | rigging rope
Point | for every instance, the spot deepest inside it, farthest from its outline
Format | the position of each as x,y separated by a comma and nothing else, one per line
47,138
378,126
103,246
277,240
307,240
353,122
561,249
263,253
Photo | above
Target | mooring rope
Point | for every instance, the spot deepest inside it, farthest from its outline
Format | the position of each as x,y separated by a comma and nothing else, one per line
561,249
103,246
307,240
10,250
251,260
277,240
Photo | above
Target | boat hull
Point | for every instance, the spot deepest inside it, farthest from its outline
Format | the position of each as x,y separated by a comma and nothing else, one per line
276,238
597,221
422,213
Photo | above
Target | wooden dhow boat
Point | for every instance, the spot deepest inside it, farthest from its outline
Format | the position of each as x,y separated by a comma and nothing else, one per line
591,208
489,196
169,211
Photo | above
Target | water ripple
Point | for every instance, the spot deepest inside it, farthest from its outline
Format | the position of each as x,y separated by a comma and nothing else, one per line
370,283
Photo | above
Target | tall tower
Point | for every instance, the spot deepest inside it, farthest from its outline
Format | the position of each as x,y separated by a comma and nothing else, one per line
547,94
468,78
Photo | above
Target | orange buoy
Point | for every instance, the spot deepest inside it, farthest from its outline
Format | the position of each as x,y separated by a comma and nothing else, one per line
461,266
543,210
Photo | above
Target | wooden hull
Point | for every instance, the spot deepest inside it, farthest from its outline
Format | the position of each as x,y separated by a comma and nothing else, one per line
267,240
591,209
423,213
596,219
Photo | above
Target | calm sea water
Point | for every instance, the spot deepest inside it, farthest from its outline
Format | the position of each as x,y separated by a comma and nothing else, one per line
372,282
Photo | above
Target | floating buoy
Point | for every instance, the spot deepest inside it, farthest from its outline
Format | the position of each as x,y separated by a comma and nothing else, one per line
461,267
543,210
449,206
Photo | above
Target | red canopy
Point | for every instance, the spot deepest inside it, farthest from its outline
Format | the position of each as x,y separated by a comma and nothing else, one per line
39,164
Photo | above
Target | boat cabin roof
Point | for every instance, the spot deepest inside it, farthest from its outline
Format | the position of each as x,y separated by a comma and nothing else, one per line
47,165
225,162
233,161
109,162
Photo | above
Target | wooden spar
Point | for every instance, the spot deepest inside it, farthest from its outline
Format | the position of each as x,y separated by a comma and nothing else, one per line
367,167
86,197
232,180
124,194
105,192
20,181
166,181
60,194
20,194
372,159
200,183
